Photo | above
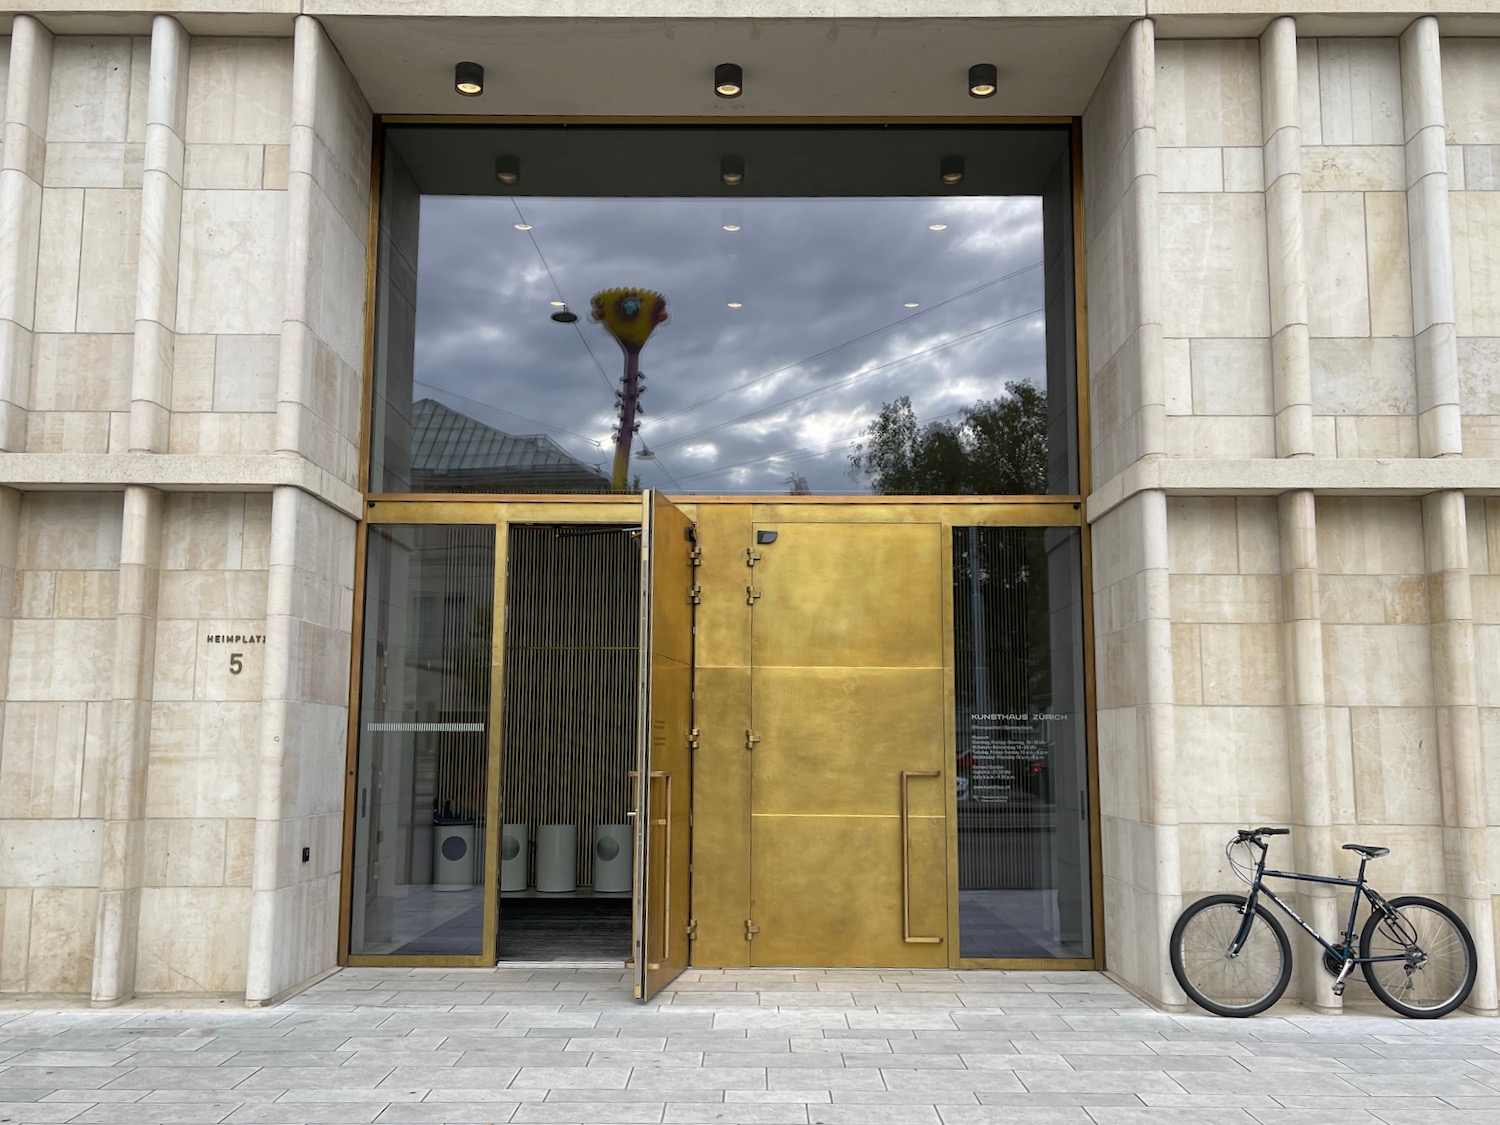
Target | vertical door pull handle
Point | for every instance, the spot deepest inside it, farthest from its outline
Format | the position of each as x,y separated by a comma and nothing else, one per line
906,934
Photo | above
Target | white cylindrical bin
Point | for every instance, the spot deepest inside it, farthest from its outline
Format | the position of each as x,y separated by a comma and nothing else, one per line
557,858
513,841
613,845
453,855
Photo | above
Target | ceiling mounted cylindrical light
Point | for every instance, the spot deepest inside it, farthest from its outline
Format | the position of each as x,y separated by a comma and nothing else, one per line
951,168
982,80
729,80
508,169
468,79
731,170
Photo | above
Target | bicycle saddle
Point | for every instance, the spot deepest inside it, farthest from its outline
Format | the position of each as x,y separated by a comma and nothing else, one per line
1367,851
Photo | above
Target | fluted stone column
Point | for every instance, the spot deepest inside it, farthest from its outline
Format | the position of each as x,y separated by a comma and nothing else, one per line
25,137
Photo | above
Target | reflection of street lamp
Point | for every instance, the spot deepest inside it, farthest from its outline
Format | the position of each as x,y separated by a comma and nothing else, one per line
630,316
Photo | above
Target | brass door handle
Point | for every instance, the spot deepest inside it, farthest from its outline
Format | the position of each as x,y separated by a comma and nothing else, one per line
906,934
665,823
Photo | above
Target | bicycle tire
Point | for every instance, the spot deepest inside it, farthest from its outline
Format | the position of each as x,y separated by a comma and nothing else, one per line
1448,952
1244,986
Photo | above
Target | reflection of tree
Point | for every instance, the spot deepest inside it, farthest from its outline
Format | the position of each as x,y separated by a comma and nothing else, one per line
997,447
797,485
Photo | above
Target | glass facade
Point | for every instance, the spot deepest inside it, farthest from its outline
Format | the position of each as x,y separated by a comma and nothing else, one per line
841,320
1022,776
424,721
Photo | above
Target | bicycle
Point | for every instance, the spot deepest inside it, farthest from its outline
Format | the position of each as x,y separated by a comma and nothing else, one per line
1231,956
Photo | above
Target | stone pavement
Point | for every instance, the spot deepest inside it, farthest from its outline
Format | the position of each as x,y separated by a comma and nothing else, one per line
559,1044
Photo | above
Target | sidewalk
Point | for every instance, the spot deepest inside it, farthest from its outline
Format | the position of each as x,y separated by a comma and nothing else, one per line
558,1044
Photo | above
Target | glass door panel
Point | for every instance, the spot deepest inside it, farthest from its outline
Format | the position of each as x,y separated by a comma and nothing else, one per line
1022,778
664,776
422,793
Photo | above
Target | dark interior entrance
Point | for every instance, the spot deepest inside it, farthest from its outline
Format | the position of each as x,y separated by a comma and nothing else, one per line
569,725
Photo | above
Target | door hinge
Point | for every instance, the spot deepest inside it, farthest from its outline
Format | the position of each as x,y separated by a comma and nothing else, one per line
751,738
752,556
751,929
692,739
695,556
695,594
692,929
751,593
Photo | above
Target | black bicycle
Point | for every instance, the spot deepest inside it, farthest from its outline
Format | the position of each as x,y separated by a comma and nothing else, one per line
1232,957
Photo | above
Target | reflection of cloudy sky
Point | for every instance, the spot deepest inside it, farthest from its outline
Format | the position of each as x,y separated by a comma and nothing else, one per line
739,399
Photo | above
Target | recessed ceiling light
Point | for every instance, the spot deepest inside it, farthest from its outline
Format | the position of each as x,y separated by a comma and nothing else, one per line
729,80
523,226
911,304
736,305
468,79
731,226
731,170
559,304
508,169
938,226
951,169
982,80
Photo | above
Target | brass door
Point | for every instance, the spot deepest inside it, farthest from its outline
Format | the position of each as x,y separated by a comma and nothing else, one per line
848,834
664,777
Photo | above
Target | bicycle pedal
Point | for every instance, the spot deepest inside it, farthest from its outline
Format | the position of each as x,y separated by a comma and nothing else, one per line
1338,988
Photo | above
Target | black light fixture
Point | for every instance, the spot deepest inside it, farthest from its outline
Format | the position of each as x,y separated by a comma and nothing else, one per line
983,80
565,315
468,79
508,169
729,80
951,168
731,170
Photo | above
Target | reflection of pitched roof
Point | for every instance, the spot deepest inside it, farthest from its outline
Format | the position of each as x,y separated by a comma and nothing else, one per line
451,450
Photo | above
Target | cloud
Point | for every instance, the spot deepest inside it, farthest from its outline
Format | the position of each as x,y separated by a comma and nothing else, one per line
738,398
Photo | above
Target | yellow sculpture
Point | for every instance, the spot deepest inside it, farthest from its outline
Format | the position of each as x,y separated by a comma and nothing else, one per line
630,316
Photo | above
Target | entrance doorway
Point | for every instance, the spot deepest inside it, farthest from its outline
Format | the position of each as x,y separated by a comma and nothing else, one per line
522,786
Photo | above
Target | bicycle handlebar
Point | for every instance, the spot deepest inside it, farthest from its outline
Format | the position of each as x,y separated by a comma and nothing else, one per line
1254,834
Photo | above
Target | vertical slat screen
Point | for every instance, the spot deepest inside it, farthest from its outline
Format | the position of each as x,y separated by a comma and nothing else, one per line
568,715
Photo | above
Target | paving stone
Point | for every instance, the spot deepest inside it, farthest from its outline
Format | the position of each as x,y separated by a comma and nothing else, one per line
555,1044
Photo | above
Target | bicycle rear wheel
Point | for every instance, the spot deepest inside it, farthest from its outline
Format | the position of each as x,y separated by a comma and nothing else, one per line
1242,985
1438,962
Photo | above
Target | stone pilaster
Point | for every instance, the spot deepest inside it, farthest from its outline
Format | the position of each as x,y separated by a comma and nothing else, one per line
1315,801
1287,267
161,227
1430,231
1455,696
25,137
124,783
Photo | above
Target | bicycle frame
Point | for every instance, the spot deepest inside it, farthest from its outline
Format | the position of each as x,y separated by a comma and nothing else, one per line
1360,887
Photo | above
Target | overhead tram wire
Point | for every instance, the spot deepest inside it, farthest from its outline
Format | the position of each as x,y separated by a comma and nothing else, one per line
836,384
853,340
583,339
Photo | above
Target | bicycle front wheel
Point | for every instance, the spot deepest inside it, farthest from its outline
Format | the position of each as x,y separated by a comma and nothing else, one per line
1435,962
1244,984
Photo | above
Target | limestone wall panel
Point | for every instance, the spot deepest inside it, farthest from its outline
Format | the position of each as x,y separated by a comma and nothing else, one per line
193,939
88,238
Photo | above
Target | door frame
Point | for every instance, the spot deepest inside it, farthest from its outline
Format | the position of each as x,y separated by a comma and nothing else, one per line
458,509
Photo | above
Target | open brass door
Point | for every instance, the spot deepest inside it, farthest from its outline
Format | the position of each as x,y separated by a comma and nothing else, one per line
664,771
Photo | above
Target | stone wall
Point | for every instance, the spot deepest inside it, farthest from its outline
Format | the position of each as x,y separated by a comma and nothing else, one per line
1321,315
182,277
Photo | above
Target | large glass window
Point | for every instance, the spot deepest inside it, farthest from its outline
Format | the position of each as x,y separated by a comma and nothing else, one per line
1023,830
848,310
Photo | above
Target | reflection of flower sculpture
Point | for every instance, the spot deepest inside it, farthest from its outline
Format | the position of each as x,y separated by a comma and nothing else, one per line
630,316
